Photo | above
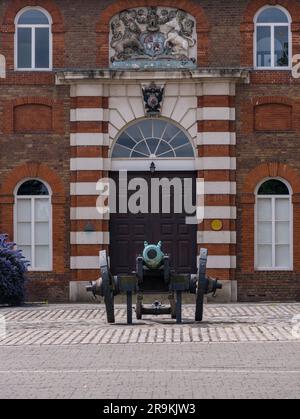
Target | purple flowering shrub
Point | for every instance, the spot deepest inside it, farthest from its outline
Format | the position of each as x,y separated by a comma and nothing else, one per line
13,267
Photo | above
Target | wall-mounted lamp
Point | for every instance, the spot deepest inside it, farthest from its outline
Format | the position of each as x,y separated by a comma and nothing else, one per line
152,168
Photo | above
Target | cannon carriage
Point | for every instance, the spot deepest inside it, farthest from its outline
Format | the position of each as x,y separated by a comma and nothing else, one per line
154,275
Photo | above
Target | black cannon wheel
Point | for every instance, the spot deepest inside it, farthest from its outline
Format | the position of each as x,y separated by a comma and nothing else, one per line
199,307
110,306
129,307
178,307
201,285
172,305
107,287
139,305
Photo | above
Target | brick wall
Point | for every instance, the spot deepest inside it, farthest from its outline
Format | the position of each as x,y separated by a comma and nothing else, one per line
227,28
38,145
277,147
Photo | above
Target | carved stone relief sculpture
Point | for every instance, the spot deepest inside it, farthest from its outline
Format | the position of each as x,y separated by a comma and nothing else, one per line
153,37
153,97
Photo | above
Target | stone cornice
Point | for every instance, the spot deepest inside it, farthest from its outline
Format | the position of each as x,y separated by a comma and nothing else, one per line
200,75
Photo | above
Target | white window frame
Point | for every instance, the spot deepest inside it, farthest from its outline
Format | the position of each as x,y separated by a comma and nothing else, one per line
33,199
33,28
272,26
273,198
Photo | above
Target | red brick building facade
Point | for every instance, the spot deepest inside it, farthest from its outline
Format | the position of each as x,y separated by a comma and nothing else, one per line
71,87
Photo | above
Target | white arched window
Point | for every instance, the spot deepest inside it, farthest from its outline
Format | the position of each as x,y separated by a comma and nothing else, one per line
33,40
33,224
274,239
273,38
153,140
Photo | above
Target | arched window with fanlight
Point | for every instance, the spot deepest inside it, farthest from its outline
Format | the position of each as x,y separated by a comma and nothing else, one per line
273,40
153,139
33,223
33,40
274,241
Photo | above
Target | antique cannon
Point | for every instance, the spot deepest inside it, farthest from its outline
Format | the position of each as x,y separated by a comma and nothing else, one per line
153,275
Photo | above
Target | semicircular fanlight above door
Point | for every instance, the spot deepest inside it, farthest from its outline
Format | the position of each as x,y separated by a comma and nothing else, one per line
153,139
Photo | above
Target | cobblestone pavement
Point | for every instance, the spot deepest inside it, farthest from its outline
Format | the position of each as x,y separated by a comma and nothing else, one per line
239,351
86,324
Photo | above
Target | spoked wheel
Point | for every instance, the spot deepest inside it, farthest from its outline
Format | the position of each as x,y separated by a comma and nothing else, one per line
173,305
201,284
109,304
199,307
129,307
178,307
107,285
139,305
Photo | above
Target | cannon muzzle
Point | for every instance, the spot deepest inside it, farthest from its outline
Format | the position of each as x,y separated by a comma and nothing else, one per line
153,256
208,285
89,288
212,286
96,287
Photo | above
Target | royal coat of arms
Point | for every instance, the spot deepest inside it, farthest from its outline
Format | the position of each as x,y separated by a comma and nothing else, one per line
152,34
154,43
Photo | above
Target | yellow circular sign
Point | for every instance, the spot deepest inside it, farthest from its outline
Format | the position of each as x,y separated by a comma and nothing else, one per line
217,225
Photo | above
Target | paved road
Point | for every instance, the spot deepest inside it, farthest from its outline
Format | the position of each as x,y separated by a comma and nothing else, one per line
70,352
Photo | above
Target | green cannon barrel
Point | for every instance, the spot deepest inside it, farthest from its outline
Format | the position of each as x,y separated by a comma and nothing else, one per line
153,256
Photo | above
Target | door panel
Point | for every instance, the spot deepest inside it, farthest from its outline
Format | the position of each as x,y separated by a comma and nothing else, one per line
128,233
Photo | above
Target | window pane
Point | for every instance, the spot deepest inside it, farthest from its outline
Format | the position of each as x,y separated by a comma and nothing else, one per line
168,154
23,234
282,230
134,132
142,148
282,209
178,141
136,154
33,187
264,256
186,151
24,48
42,48
272,15
24,209
152,144
126,141
264,46
264,209
283,257
42,259
147,128
26,252
163,148
158,128
273,187
120,152
264,233
42,210
170,132
34,17
281,46
42,234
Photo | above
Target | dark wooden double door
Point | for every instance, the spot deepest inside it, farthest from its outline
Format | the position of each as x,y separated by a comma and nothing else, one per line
128,232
